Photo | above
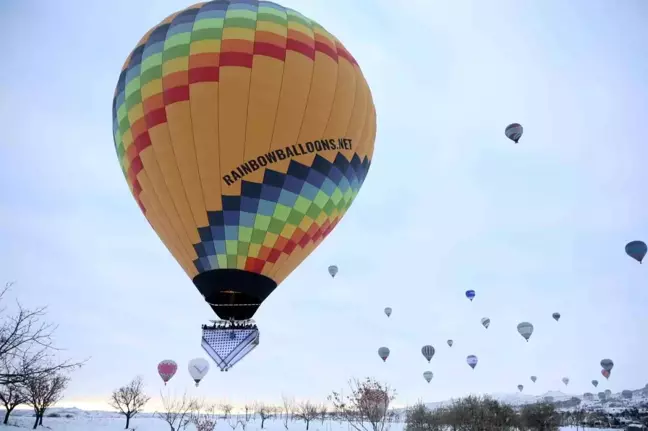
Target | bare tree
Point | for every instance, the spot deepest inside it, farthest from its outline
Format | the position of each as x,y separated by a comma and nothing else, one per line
323,411
43,390
368,404
307,411
249,411
129,399
204,417
12,395
233,423
227,409
265,412
26,344
177,411
288,408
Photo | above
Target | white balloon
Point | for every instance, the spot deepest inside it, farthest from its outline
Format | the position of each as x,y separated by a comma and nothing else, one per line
198,368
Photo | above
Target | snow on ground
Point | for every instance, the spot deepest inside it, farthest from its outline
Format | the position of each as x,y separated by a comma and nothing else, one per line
102,423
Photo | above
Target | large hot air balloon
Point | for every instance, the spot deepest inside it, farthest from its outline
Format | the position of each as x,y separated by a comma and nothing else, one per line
428,352
383,352
607,364
606,373
556,316
167,369
525,329
450,343
388,311
636,250
533,379
472,361
565,380
514,132
245,131
333,270
520,388
428,376
595,383
470,294
486,322
198,369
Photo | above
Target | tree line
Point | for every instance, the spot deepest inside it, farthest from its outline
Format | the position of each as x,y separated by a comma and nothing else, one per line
30,374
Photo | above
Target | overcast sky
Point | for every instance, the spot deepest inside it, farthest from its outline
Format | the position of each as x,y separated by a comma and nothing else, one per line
449,204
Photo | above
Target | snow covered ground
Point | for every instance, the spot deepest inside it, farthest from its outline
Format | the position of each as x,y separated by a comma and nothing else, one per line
147,423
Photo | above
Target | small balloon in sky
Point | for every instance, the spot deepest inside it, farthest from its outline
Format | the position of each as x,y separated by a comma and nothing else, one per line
525,329
333,270
514,132
556,316
428,376
636,250
388,311
383,352
470,294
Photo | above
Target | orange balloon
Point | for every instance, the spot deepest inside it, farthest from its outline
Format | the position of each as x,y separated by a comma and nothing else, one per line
245,131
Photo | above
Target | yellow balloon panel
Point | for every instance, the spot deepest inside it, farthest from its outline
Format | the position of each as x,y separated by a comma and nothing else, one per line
245,131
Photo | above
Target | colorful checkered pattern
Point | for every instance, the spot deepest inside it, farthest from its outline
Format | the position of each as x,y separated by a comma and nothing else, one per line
258,224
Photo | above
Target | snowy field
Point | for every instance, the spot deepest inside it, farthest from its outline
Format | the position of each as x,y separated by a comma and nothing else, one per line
101,423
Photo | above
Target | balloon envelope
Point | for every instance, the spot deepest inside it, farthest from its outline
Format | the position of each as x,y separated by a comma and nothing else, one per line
525,329
242,160
607,364
450,343
472,361
383,352
556,316
428,376
428,352
636,250
565,380
198,369
167,369
486,322
595,383
514,132
605,373
388,311
470,294
520,387
533,379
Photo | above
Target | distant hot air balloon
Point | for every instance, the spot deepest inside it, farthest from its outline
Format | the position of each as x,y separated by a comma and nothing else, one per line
198,369
470,294
428,352
606,373
388,311
595,383
472,361
242,160
514,132
525,329
636,250
607,364
450,343
608,393
565,380
601,396
520,387
333,270
428,376
167,369
533,379
556,316
627,394
383,352
486,322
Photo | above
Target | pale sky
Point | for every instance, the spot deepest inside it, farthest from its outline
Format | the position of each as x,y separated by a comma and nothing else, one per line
449,204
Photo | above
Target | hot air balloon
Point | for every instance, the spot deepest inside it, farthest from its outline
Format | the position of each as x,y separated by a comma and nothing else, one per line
470,294
428,376
565,380
333,270
245,131
556,316
605,373
428,352
607,364
533,379
388,311
525,329
167,369
514,132
383,352
198,369
472,361
520,387
450,343
608,393
636,250
595,383
601,396
486,322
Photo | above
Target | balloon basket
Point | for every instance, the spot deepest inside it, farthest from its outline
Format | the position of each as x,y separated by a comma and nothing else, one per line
227,342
